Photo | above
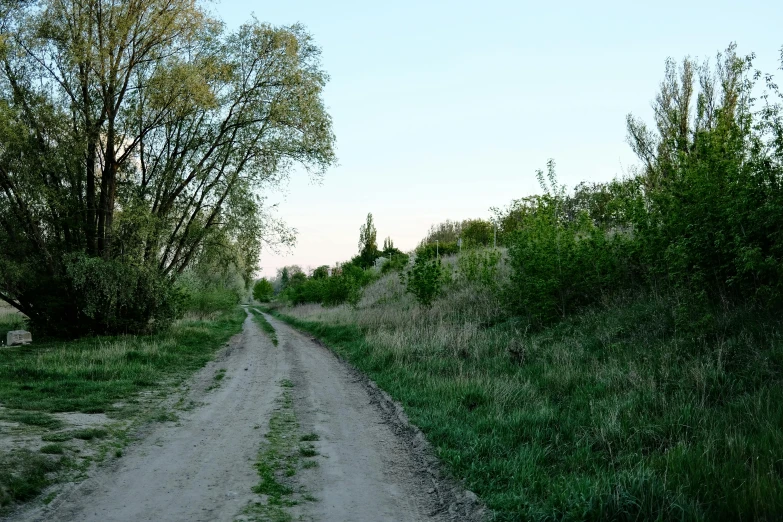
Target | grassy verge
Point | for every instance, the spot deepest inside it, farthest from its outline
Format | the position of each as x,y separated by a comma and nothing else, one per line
265,326
625,412
93,375
279,460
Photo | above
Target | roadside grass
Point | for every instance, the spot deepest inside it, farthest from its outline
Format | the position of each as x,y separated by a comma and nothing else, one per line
23,474
92,375
635,410
279,460
265,325
38,419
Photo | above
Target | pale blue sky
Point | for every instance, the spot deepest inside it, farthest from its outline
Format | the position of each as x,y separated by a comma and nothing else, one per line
444,109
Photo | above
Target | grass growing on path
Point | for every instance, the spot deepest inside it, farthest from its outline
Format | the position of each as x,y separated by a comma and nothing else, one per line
279,460
626,412
265,325
90,376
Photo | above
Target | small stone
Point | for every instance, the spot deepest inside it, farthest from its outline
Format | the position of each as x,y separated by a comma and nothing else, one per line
15,337
431,491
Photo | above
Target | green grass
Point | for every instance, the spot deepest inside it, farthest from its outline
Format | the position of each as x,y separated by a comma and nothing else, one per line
41,420
265,326
53,449
91,375
279,460
89,433
23,474
57,437
637,410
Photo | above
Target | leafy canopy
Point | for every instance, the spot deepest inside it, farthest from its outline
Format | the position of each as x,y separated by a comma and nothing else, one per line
135,138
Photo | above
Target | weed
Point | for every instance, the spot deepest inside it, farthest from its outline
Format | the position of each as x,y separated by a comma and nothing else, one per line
307,451
62,436
53,449
90,433
310,437
278,462
23,474
38,419
265,325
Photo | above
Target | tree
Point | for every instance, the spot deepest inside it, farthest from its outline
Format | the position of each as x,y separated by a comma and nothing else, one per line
262,290
388,244
134,136
368,243
284,278
476,232
322,272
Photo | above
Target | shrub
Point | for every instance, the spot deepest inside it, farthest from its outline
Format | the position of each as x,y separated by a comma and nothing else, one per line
263,290
425,280
479,266
434,250
396,263
205,302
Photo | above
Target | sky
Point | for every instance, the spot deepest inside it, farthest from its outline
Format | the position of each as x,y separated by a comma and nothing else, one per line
442,110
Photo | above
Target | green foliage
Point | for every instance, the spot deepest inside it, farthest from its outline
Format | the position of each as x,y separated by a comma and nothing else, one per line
437,250
396,263
476,233
560,265
344,285
263,290
705,214
368,243
425,280
111,296
205,302
322,272
142,152
479,266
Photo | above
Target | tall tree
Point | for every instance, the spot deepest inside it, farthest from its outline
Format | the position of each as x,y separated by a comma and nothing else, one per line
368,242
134,136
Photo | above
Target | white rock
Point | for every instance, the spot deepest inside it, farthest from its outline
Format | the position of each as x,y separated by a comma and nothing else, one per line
15,337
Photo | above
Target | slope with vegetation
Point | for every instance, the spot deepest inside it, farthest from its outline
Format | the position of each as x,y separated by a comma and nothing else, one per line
619,357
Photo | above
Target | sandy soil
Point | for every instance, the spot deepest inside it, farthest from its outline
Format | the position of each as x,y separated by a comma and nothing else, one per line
373,466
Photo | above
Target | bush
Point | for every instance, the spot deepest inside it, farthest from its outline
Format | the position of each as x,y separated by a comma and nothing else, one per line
479,266
433,250
344,285
425,280
112,296
263,291
205,302
396,263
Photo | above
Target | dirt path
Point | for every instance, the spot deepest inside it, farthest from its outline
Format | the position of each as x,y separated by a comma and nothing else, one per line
371,465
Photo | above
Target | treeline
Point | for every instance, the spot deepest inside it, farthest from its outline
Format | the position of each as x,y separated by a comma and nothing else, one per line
703,214
342,283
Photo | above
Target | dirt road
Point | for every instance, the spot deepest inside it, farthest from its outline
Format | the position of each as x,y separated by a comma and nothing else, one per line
368,464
